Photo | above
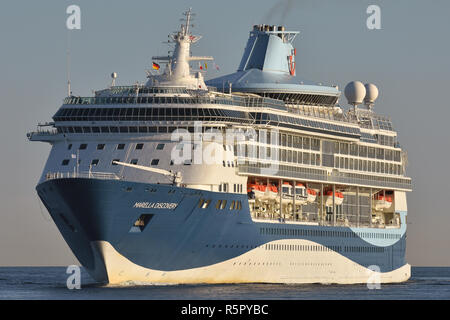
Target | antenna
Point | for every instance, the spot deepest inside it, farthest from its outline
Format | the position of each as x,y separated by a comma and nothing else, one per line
69,91
188,15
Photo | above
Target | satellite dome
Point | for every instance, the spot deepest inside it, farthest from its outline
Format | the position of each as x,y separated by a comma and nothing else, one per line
114,75
371,93
355,92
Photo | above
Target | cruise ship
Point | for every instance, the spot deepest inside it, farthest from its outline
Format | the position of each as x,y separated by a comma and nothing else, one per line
257,176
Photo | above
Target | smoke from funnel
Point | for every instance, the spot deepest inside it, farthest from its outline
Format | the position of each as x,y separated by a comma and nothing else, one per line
281,8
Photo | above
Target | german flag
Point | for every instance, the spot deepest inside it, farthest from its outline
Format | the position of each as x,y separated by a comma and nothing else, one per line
155,66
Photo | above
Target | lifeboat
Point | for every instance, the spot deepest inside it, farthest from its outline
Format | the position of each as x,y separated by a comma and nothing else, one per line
382,202
286,191
338,198
271,193
311,195
300,194
256,191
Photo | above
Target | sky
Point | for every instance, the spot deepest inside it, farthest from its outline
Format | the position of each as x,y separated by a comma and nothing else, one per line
408,59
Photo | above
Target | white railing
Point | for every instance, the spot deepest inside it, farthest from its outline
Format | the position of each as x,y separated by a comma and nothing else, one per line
89,175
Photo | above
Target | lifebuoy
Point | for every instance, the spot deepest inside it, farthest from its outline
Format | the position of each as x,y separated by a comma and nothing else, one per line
291,66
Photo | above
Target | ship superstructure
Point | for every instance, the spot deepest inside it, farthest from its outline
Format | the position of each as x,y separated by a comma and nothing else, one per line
257,176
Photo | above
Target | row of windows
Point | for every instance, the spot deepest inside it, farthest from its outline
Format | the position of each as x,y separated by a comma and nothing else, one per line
325,233
257,152
285,140
304,99
235,205
150,114
237,188
95,162
299,142
128,129
120,146
233,101
200,114
299,247
292,141
298,172
316,248
366,165
128,90
300,123
226,246
221,204
343,148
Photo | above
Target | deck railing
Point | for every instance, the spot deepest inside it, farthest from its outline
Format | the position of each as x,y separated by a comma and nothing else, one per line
89,175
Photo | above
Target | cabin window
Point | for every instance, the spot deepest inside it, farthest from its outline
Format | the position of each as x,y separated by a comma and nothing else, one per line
160,146
283,155
204,203
83,146
306,143
65,162
306,158
121,146
139,146
134,161
142,222
94,162
154,162
115,164
100,146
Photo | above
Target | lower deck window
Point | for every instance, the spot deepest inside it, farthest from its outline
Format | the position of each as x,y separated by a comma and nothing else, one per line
142,222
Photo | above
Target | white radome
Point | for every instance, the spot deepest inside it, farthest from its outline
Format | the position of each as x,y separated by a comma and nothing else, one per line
355,92
371,93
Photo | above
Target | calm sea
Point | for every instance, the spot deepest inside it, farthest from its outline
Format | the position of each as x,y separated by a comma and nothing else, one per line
50,283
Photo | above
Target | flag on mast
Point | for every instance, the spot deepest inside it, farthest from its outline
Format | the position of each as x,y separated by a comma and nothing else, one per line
155,66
